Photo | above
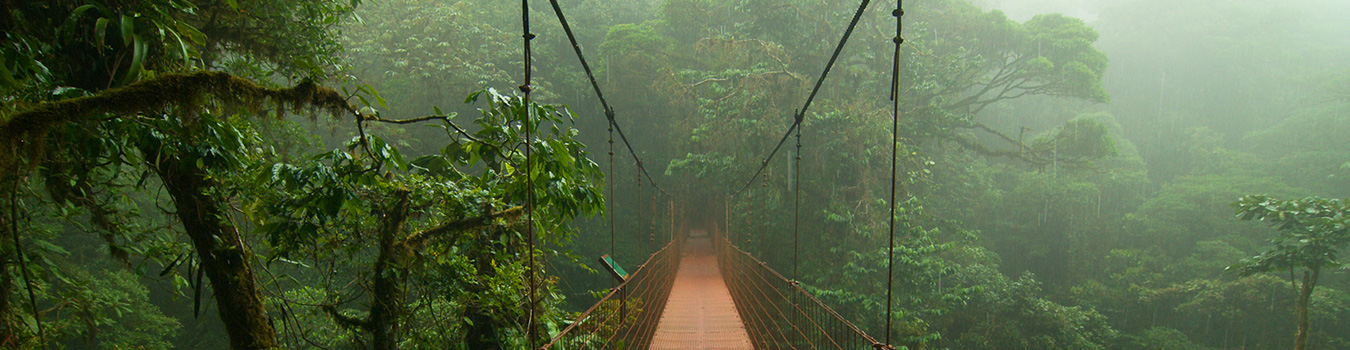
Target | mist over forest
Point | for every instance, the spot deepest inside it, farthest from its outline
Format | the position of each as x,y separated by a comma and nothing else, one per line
384,174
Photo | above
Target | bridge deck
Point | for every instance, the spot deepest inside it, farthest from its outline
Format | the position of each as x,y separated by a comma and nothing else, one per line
700,313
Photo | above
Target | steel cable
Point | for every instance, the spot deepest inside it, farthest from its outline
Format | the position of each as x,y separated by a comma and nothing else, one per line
590,75
799,115
796,202
526,88
745,273
899,14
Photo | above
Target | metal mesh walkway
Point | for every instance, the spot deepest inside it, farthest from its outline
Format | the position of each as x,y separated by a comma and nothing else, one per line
700,313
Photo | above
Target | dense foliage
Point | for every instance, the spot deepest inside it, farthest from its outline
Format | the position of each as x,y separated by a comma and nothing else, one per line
177,175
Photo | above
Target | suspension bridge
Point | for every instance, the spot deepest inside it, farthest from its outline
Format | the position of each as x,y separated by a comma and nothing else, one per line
701,291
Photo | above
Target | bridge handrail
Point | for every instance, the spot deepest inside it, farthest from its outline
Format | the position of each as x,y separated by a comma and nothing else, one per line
812,298
585,315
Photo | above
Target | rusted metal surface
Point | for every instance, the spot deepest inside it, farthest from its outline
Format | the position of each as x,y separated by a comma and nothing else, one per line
700,313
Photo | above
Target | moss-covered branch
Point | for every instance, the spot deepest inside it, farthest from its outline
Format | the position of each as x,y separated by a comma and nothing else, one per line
478,222
25,129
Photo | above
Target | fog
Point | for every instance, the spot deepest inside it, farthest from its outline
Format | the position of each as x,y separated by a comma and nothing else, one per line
1013,174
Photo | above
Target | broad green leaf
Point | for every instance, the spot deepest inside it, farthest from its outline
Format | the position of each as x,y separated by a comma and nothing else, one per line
100,31
128,29
192,34
139,49
79,11
397,158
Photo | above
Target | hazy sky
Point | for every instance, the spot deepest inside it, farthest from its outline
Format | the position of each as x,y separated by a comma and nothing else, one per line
1022,10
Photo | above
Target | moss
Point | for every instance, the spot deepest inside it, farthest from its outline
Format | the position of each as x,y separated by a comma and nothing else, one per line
24,131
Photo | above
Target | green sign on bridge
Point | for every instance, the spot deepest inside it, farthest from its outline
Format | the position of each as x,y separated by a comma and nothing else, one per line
613,267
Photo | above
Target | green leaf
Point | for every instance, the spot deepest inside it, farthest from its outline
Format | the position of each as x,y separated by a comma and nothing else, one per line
79,11
192,34
398,159
137,60
234,4
169,267
187,61
379,99
128,29
100,31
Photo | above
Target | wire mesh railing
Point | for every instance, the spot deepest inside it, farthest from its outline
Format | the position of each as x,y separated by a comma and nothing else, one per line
780,314
627,317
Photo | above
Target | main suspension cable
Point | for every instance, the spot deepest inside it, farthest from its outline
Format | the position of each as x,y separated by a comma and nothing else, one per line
819,82
590,75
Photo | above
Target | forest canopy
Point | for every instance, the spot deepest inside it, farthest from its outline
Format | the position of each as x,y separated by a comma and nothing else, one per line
320,174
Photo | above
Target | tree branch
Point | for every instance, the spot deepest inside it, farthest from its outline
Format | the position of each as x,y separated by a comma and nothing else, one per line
976,147
473,223
709,80
445,118
345,321
986,128
496,148
26,129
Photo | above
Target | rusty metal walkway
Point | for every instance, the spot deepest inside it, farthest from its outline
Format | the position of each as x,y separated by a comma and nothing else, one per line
700,313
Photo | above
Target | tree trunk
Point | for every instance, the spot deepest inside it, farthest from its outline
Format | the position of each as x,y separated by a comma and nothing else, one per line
1305,295
390,272
483,333
220,249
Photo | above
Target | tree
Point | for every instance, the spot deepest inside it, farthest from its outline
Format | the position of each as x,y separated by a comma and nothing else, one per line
968,60
101,88
457,214
421,53
1174,72
1313,232
1303,147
